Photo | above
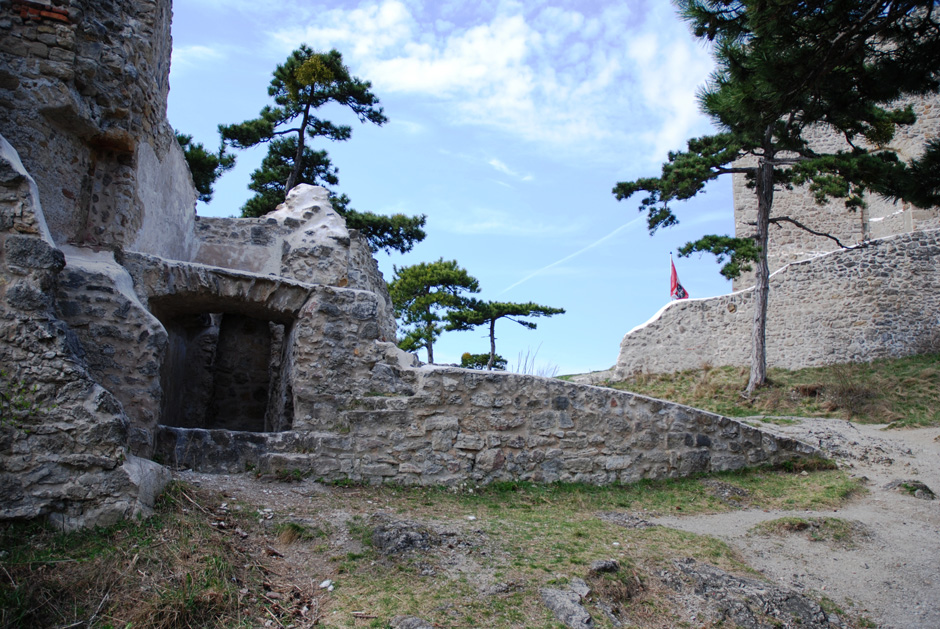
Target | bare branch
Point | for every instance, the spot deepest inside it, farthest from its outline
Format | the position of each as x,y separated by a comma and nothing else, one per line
787,219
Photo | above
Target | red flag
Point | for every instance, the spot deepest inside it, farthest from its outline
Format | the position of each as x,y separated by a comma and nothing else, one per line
675,288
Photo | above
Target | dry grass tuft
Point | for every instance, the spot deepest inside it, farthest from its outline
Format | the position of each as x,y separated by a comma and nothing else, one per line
904,392
176,570
833,531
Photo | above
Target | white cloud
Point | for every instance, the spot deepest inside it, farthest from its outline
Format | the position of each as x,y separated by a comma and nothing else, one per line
487,221
506,170
408,126
596,83
191,56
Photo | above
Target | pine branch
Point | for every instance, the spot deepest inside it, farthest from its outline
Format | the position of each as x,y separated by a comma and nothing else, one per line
786,219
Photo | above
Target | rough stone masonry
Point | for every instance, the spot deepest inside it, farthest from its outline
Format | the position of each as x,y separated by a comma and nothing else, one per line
133,331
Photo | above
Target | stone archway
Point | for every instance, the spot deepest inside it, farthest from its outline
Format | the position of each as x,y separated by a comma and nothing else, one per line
228,350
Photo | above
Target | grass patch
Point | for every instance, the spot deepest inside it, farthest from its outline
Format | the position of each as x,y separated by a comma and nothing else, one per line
821,485
494,548
172,570
834,531
903,392
292,475
291,532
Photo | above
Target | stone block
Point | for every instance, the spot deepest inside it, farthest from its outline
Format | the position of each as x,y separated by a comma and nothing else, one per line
443,440
490,460
441,422
579,465
377,469
469,442
615,463
30,252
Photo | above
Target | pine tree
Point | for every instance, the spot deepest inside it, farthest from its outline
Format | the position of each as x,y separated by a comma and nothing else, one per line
306,81
422,293
783,68
476,313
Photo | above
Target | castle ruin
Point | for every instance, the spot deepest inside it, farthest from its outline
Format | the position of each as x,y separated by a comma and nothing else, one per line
135,335
826,304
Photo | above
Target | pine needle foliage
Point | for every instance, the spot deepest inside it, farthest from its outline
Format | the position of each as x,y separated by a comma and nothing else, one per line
423,294
783,68
306,81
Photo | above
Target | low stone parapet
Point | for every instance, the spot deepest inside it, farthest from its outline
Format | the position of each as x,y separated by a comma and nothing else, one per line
461,425
853,305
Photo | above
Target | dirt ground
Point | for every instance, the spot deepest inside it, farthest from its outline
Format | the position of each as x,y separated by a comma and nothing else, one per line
891,571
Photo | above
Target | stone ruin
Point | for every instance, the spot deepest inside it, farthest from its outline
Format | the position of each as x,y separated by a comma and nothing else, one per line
136,336
826,305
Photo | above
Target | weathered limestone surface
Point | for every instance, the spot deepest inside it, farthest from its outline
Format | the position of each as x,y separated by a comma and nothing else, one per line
121,342
365,410
83,89
882,218
846,306
64,455
304,239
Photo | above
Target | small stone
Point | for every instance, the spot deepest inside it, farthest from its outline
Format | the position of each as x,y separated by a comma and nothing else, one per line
566,605
410,622
605,565
579,587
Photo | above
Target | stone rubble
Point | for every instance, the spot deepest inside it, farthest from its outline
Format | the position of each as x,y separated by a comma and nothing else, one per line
713,594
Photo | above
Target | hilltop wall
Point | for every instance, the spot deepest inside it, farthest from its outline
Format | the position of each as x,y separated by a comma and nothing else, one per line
880,219
854,305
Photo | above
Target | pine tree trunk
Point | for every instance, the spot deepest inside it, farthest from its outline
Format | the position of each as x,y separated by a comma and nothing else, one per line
489,363
765,200
430,348
299,155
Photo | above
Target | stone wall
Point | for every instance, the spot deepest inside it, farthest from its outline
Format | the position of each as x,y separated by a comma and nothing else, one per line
364,410
849,305
304,239
122,344
83,89
62,435
880,219
128,330
248,244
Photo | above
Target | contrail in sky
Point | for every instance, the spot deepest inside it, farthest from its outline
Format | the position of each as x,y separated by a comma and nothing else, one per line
574,255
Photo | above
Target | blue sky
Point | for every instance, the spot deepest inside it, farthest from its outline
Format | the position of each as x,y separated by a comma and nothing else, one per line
509,123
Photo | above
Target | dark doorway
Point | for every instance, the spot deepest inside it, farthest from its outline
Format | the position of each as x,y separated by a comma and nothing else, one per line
224,371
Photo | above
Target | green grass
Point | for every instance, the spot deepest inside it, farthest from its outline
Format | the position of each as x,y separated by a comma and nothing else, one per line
768,488
539,536
290,532
170,570
835,531
903,392
180,569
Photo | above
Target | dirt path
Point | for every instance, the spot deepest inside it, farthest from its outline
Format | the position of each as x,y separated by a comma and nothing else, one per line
892,574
